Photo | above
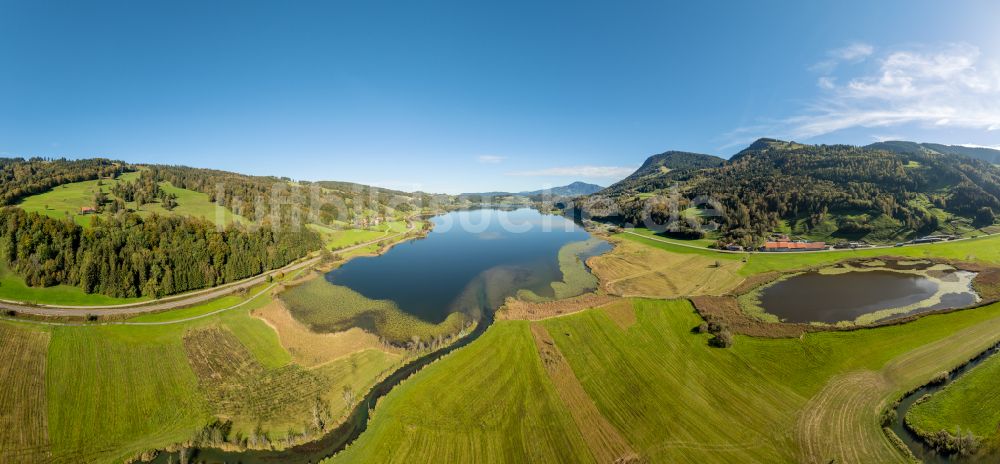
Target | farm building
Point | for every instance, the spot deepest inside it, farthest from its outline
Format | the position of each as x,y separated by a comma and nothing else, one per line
87,210
793,246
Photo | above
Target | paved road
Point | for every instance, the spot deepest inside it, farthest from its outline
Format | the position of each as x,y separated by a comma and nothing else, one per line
881,247
176,301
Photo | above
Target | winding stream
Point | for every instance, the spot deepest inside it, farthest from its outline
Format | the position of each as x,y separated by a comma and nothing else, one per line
917,446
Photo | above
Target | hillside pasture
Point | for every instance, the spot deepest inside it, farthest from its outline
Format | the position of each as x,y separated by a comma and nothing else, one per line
66,201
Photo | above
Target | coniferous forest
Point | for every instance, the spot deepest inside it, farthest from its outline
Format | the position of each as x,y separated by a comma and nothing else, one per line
130,256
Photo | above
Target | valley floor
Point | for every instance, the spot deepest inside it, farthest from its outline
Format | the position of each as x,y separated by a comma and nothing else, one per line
617,377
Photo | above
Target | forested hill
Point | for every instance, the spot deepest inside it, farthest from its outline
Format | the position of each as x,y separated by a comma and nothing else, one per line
990,155
259,196
830,191
660,171
21,177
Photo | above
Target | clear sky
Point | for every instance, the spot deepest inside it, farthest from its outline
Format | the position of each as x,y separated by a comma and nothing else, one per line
473,96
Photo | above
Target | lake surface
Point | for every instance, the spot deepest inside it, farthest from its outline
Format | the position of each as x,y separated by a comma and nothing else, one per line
831,298
467,255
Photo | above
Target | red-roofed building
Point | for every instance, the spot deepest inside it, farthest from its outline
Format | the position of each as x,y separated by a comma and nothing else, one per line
794,246
87,210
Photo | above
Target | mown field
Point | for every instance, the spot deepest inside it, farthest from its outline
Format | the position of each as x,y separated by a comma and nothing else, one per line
488,402
671,396
24,435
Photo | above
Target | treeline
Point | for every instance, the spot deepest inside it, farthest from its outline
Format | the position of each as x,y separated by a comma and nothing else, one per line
130,256
21,177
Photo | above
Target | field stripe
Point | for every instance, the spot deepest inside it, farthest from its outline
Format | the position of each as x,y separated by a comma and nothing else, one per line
605,442
841,421
24,436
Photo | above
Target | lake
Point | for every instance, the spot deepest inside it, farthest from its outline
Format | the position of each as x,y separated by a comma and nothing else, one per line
469,262
816,296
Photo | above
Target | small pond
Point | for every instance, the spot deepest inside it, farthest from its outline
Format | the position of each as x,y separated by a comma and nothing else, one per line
867,294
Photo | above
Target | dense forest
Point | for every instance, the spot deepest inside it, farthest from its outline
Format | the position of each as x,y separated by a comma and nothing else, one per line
772,181
21,177
130,256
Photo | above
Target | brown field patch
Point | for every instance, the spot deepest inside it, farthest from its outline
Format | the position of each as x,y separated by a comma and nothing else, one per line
636,270
517,309
621,312
604,441
24,434
313,349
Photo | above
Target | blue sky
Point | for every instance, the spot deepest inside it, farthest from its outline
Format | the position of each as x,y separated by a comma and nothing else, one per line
473,96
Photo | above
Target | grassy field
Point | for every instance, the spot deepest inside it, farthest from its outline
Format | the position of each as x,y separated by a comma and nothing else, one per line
970,404
671,396
336,239
24,435
480,404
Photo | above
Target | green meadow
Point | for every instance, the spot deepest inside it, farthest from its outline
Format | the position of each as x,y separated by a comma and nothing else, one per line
667,392
969,404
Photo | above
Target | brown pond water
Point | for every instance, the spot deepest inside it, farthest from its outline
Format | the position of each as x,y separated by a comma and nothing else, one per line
831,298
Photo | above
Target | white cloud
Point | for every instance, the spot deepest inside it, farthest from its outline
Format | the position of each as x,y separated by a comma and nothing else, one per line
607,172
491,159
950,86
853,53
972,145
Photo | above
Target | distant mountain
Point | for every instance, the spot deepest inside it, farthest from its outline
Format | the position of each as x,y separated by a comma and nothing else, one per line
989,155
571,190
881,193
659,171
